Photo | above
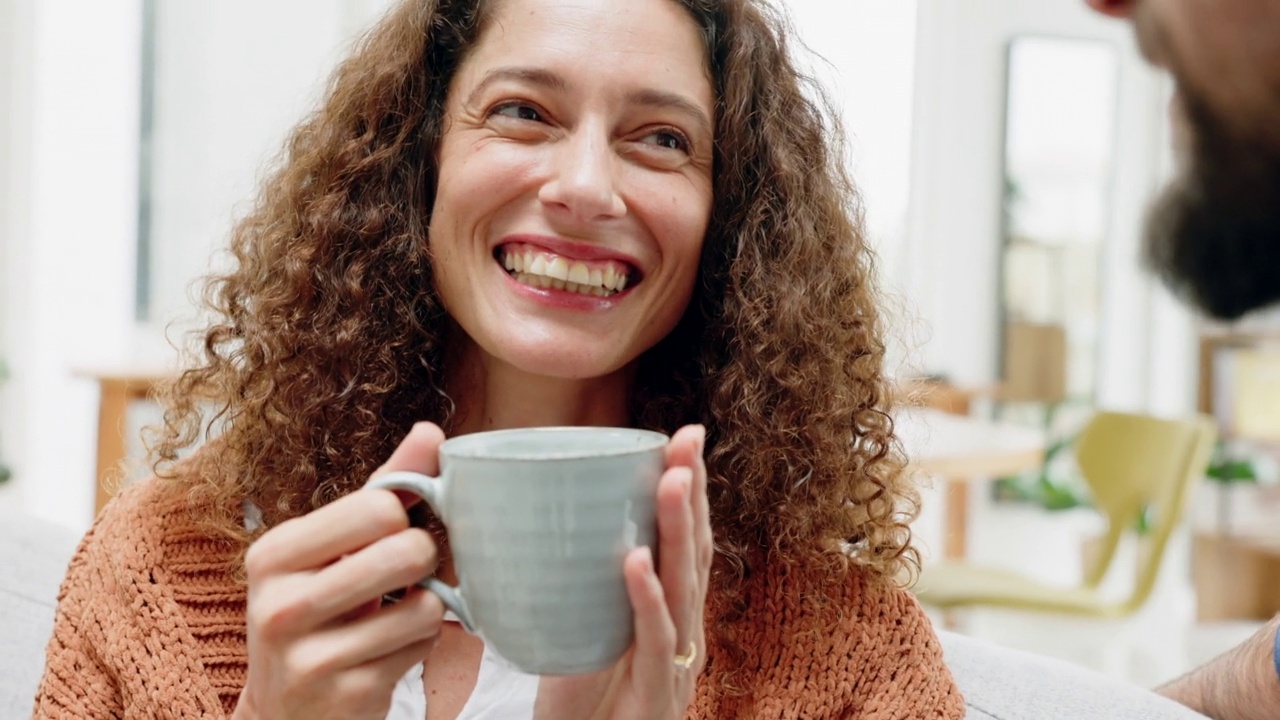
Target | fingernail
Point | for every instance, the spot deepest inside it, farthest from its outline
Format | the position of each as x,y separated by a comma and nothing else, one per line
646,553
702,437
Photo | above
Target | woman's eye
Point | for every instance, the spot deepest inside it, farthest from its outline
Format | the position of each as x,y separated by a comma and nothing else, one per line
669,139
519,111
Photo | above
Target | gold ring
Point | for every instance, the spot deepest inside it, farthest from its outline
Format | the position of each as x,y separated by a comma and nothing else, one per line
685,661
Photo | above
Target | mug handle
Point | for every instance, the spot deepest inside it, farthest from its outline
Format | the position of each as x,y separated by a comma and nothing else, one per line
429,489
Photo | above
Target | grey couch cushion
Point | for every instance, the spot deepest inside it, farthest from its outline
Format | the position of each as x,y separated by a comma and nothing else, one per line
33,559
1003,684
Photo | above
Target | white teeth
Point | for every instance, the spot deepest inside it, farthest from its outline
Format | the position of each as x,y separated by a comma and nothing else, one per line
545,270
558,268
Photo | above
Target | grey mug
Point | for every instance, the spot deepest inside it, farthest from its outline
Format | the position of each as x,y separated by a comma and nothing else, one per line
539,521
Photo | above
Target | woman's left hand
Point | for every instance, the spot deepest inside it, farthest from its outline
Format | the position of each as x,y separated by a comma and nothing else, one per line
651,681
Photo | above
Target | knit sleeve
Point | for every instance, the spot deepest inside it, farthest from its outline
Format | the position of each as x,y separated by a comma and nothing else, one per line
122,644
813,649
77,682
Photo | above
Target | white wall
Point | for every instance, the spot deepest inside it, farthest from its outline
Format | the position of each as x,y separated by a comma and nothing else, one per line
68,234
70,237
220,116
14,91
863,53
954,233
1172,351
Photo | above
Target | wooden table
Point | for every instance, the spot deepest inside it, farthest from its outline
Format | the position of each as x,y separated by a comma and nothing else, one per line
116,389
962,450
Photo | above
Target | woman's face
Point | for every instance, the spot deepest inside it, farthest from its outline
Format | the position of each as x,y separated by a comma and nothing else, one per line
575,182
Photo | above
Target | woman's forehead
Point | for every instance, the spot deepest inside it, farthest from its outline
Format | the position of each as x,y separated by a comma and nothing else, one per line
640,42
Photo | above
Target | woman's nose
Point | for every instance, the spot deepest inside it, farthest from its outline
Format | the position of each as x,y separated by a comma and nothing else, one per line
584,185
1114,8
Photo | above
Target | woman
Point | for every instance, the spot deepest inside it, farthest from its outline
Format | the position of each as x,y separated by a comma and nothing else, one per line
517,213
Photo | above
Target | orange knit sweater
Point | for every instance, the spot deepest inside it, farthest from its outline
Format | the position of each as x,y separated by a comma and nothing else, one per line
150,624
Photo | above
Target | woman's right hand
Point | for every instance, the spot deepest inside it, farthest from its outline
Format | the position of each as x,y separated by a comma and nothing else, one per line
321,645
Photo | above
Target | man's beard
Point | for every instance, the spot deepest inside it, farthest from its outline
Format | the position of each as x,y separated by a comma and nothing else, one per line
1214,234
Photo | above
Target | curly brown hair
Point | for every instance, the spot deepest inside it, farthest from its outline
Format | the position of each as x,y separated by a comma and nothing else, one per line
330,337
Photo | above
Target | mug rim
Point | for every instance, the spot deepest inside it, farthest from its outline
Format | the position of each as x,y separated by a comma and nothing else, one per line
464,446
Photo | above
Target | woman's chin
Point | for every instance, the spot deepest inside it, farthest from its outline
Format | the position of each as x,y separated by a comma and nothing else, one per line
555,364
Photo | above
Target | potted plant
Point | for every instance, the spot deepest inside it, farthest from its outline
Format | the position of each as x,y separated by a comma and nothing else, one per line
1056,484
1232,467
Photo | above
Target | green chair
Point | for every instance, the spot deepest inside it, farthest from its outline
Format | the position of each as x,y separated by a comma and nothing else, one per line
1132,464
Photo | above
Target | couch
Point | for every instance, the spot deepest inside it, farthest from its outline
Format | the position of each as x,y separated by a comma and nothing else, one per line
998,684
33,557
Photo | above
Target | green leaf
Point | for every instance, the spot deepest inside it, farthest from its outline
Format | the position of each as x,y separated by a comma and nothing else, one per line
1225,467
1233,471
1143,524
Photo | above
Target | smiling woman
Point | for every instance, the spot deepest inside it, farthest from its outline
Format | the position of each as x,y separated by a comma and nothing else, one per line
512,214
579,137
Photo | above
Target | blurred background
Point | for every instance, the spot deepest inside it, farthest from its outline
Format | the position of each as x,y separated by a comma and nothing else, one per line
1006,151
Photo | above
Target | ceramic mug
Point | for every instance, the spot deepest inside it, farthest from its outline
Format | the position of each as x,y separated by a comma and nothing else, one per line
539,522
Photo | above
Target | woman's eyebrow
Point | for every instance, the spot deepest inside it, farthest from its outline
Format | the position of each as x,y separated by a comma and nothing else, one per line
533,76
673,101
647,97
